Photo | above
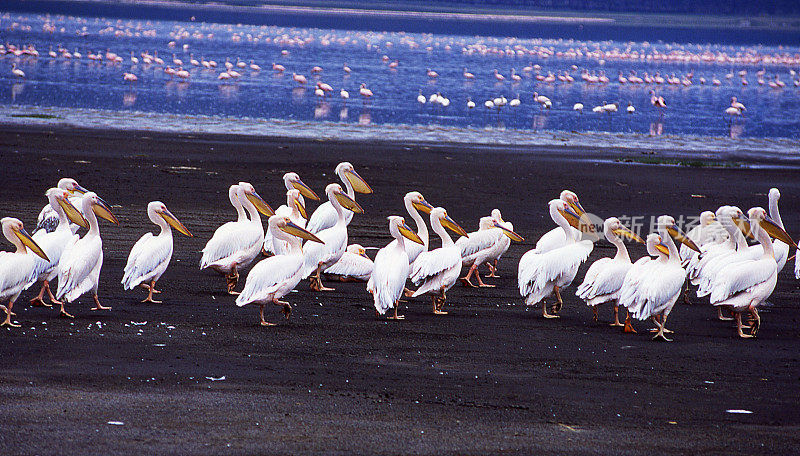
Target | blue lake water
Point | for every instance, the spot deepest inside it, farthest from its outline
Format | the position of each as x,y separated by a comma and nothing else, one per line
693,110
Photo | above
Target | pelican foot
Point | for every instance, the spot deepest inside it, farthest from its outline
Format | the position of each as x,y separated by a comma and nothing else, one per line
439,312
150,299
616,324
39,302
266,323
9,323
661,336
99,307
398,317
65,314
465,281
486,285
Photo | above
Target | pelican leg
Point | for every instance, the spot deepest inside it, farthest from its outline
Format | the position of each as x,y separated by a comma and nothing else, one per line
616,316
594,314
151,289
722,317
465,280
557,308
316,281
7,321
628,327
544,311
438,303
407,292
480,281
261,314
38,301
232,279
64,313
492,269
395,316
97,305
53,299
756,322
286,308
686,292
739,327
657,321
660,333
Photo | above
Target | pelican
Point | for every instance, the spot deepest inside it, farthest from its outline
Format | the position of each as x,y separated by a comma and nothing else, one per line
16,268
415,202
79,266
542,273
781,249
54,242
354,265
321,256
274,277
557,237
325,215
48,218
392,268
436,271
235,245
664,282
743,286
502,245
604,278
633,280
708,231
150,256
482,246
296,211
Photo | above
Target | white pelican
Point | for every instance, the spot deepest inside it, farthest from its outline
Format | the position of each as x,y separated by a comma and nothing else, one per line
150,256
16,71
79,266
415,202
354,265
319,257
483,246
54,242
664,281
436,271
274,277
16,268
235,245
542,273
743,286
781,249
391,268
627,295
292,182
48,218
325,216
296,211
708,230
502,245
556,237
603,280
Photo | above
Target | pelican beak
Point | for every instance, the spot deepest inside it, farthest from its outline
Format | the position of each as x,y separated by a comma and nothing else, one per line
305,190
363,253
78,189
678,235
102,210
174,222
348,203
512,235
774,230
448,223
661,247
28,241
409,234
573,218
301,209
628,234
422,206
259,203
743,226
295,230
359,184
73,213
583,218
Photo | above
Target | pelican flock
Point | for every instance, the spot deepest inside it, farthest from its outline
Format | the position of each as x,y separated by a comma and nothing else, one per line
715,256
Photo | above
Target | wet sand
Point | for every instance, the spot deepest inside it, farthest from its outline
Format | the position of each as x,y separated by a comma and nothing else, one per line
490,377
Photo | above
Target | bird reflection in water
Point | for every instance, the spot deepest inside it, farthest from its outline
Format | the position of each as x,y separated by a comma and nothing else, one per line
129,99
657,128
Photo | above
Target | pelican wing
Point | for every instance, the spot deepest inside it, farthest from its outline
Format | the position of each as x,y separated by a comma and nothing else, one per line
554,239
797,263
325,217
267,276
388,278
147,255
477,241
740,277
16,272
352,265
76,264
431,263
629,295
661,285
47,220
335,242
229,239
537,269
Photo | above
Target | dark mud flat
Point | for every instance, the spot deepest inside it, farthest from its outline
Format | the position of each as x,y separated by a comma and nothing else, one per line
492,377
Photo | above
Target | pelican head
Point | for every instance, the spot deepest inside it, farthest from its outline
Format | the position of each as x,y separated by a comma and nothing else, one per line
357,249
739,220
566,211
335,192
399,223
71,185
418,201
439,213
655,245
293,199
100,207
345,170
707,218
510,233
572,200
497,216
159,209
615,227
61,197
250,193
286,225
293,180
668,222
760,220
16,234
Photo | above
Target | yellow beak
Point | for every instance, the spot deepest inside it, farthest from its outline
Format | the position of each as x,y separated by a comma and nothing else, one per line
305,190
359,184
73,214
661,247
583,218
678,235
301,209
294,230
512,235
102,210
78,189
174,222
448,223
409,234
348,203
28,241
422,206
628,234
774,230
743,226
259,203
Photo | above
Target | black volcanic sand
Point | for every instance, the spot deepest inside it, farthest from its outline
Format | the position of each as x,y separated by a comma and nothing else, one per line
491,377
